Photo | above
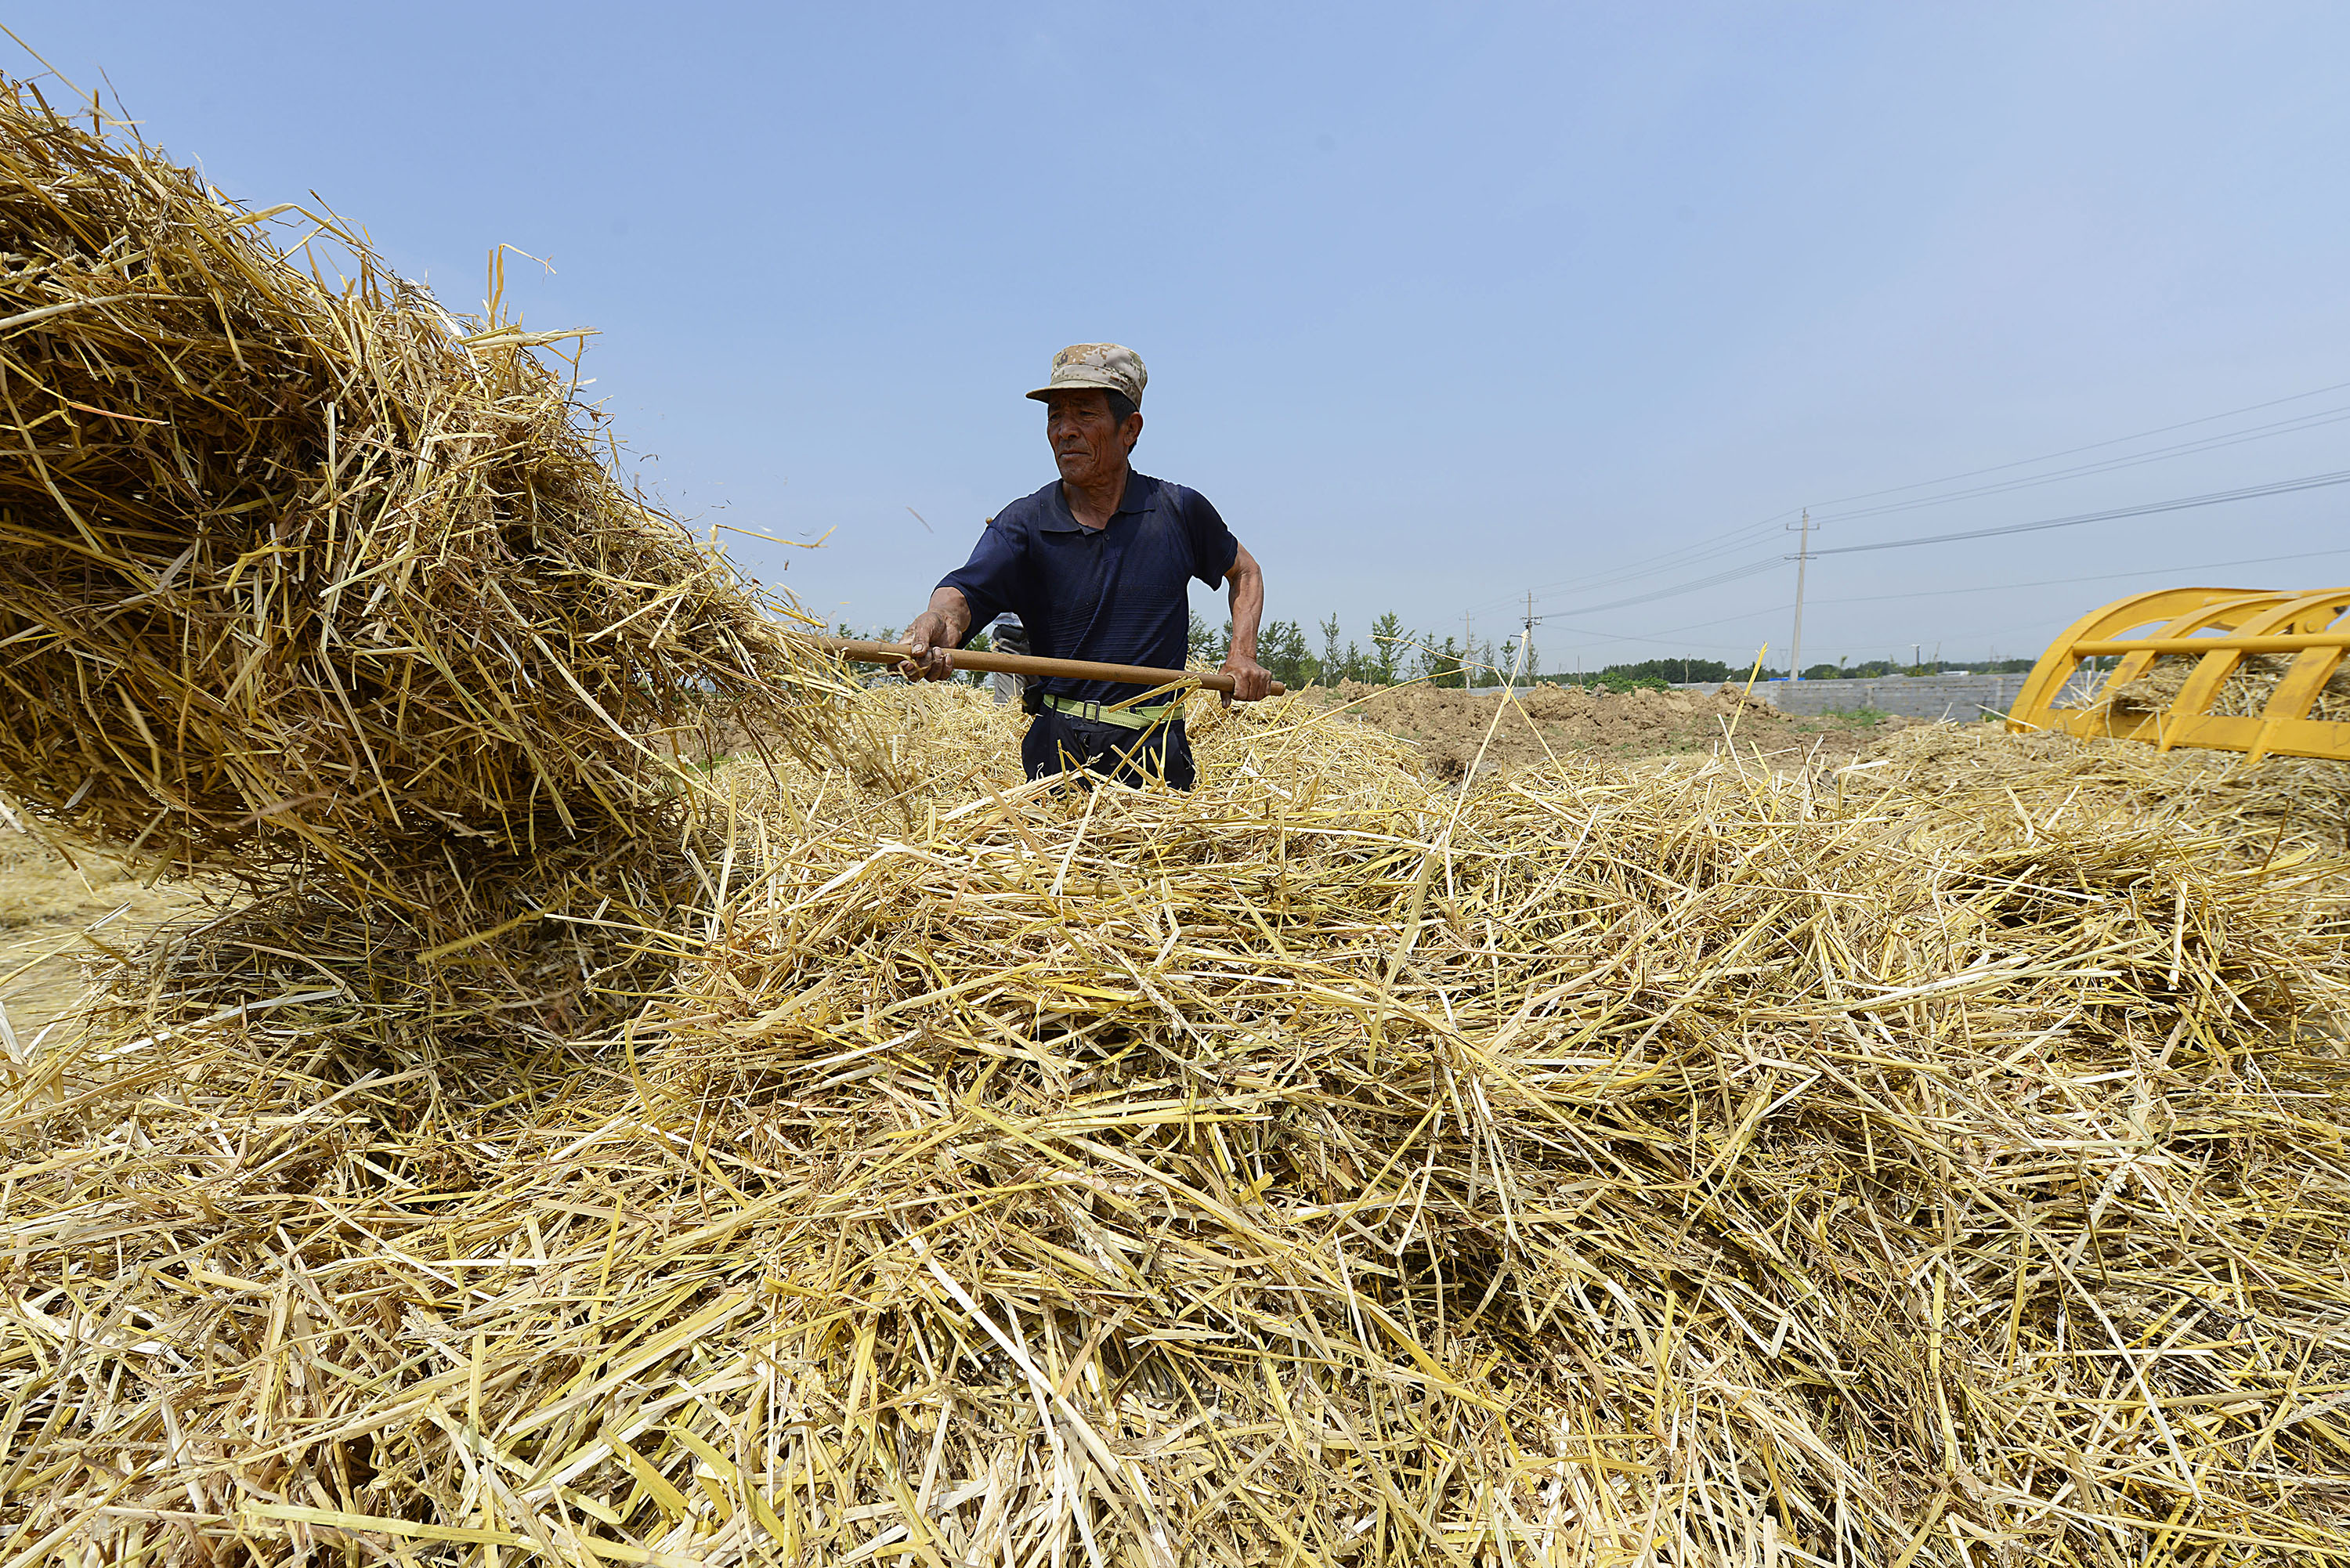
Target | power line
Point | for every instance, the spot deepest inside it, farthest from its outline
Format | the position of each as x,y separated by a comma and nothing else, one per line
1728,541
1664,639
2093,446
1687,555
1752,568
2108,465
1723,544
2182,504
1936,593
1732,576
2097,577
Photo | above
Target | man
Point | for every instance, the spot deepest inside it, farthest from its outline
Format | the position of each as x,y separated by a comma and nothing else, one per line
1098,565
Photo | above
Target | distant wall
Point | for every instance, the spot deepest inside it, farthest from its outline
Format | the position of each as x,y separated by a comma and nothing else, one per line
1933,698
1930,697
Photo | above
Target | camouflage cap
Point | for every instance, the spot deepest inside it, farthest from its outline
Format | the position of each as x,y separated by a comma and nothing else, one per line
1111,367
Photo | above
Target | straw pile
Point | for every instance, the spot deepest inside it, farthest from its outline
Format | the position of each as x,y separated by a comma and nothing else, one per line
1943,1163
328,590
863,1155
2244,694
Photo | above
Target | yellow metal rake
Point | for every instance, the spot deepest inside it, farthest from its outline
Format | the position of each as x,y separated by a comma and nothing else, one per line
2223,626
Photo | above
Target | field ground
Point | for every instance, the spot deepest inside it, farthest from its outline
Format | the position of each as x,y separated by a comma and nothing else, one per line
1448,727
57,915
1894,1029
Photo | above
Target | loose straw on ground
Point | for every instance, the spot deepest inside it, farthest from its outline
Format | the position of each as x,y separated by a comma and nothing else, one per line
1949,1163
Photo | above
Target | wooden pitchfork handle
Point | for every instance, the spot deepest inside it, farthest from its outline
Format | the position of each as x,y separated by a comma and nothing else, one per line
865,652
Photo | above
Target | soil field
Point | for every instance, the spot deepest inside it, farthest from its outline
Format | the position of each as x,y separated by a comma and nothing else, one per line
1568,723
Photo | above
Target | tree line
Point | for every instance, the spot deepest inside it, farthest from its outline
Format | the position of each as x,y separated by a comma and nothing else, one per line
1397,654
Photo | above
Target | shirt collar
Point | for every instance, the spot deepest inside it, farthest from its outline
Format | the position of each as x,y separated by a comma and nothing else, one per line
1139,490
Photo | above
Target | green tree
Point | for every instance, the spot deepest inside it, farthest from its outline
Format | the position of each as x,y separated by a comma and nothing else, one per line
1672,671
1334,667
1388,641
1442,665
1283,651
1205,644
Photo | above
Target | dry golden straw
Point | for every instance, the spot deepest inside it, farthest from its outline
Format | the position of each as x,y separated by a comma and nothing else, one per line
323,563
1940,1161
322,587
1943,1162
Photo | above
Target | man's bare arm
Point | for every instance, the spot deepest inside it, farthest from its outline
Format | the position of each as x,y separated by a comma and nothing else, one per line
936,632
1250,681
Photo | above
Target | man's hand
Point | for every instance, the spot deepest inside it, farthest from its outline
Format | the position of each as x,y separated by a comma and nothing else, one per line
1251,681
935,634
933,648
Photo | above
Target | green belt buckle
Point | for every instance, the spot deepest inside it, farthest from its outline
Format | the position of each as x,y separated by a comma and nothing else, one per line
1127,718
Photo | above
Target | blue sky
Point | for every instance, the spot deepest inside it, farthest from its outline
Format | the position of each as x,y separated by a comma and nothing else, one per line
1441,304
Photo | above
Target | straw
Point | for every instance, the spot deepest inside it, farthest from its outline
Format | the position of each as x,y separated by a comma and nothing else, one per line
320,585
587,1146
2245,693
1941,1162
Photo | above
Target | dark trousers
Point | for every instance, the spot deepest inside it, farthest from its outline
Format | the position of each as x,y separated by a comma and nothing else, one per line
1058,742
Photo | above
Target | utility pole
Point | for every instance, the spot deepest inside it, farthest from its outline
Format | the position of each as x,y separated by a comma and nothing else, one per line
1526,649
1803,559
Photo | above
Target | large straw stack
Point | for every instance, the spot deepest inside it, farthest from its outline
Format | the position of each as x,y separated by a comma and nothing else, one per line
291,568
1939,1165
321,587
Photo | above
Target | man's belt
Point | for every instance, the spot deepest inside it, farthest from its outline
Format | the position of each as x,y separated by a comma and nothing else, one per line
1125,717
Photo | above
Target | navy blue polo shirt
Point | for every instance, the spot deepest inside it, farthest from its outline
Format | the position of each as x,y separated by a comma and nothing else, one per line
1119,593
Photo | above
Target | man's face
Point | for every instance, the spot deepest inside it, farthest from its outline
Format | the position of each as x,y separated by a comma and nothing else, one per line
1089,445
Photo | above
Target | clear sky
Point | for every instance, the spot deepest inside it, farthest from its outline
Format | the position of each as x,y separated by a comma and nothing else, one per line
1441,303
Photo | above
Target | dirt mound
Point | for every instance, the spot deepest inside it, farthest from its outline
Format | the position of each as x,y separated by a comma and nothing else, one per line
1449,726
